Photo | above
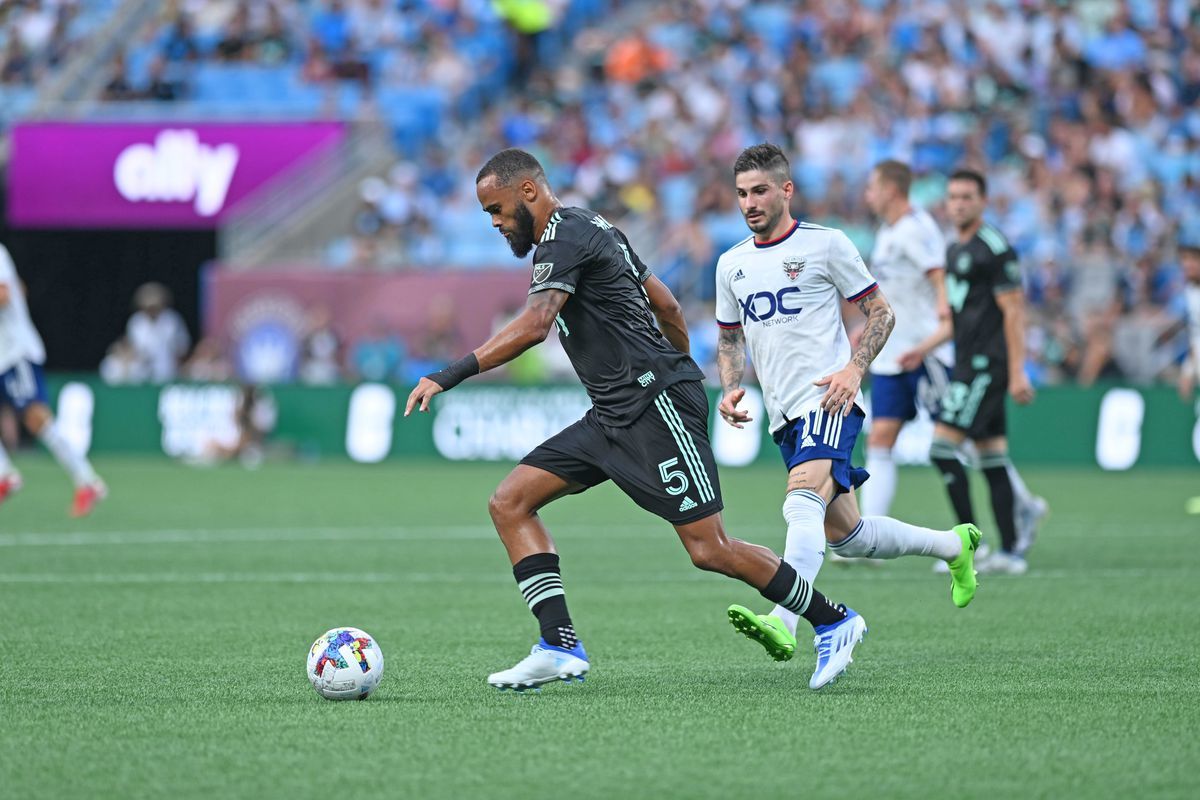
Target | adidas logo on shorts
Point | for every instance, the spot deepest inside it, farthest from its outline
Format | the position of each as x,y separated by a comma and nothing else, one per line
688,504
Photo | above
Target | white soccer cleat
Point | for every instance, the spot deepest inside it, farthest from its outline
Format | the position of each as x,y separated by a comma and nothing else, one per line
835,648
545,663
1028,517
1001,563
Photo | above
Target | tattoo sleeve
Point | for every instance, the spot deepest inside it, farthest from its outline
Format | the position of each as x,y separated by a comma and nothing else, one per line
731,357
880,321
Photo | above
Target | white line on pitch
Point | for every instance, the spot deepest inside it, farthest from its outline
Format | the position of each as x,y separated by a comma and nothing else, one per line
682,576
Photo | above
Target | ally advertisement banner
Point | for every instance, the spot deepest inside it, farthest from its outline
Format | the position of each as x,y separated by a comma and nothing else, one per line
132,176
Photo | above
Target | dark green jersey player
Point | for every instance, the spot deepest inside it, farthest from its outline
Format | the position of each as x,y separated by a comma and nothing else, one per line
983,288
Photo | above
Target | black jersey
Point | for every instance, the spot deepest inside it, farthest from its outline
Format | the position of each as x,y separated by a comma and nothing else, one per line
606,327
975,272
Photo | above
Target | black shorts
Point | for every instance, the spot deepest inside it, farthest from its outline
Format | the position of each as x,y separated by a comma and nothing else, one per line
975,400
663,461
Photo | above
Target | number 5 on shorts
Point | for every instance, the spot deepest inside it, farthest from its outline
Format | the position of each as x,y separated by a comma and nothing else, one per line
669,478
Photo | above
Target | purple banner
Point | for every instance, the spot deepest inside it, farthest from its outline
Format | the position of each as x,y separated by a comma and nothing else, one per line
95,175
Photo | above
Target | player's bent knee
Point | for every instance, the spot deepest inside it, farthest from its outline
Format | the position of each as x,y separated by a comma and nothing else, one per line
505,504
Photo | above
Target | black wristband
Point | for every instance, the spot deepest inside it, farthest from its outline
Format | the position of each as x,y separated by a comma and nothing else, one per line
454,374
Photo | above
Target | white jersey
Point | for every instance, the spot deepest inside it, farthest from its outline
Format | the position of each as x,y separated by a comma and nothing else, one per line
903,255
1191,294
19,340
787,296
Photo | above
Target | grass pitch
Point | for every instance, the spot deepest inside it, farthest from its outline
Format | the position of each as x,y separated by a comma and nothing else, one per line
157,649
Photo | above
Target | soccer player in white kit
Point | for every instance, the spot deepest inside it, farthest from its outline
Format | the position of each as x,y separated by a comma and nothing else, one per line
23,386
780,293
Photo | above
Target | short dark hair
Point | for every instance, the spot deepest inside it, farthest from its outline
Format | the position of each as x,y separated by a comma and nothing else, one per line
510,164
964,174
766,157
896,173
1189,247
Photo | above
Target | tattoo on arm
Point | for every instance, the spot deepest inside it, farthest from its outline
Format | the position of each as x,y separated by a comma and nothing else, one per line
880,321
731,357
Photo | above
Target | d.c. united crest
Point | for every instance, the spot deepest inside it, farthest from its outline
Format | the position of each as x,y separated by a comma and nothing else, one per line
792,267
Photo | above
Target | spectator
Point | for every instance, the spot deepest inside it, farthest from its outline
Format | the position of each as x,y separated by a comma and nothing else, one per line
207,363
378,356
121,365
157,332
320,350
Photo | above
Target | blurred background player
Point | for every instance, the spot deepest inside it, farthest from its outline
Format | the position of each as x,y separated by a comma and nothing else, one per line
23,386
911,369
1189,260
780,292
984,290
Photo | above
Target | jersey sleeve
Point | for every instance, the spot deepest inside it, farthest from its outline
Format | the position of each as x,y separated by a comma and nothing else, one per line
1005,271
847,270
639,266
557,265
727,305
925,247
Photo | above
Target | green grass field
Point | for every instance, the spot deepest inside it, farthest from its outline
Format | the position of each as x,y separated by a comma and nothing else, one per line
157,649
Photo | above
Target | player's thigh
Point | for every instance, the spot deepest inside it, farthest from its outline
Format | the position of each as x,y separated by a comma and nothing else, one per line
955,436
841,517
884,432
36,417
815,476
566,463
527,489
664,461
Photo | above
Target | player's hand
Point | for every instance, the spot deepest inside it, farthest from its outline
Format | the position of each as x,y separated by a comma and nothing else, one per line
420,396
1021,389
729,410
911,360
843,388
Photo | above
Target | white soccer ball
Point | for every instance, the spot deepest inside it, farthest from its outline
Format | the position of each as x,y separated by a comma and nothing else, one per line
345,664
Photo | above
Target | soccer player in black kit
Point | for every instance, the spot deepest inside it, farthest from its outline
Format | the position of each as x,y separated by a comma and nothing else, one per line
647,430
987,303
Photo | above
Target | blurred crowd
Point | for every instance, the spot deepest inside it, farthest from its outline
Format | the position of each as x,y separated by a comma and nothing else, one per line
36,36
1083,114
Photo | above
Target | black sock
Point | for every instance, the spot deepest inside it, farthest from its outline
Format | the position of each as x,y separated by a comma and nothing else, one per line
945,458
540,581
797,595
995,469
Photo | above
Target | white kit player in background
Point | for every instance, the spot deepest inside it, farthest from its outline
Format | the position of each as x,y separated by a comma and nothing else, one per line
780,293
911,371
23,386
1189,260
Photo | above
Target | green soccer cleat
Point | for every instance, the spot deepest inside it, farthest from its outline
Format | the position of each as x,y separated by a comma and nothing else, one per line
963,582
769,631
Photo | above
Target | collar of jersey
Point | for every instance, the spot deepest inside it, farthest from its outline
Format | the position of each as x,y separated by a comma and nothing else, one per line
784,238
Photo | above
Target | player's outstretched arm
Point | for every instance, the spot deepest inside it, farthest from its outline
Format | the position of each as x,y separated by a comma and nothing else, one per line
527,329
842,386
731,364
669,314
1012,306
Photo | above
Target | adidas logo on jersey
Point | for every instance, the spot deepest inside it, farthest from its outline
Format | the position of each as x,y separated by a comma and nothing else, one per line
688,504
737,276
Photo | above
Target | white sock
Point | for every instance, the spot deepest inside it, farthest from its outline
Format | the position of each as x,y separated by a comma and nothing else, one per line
74,462
884,537
804,512
1021,492
5,465
877,493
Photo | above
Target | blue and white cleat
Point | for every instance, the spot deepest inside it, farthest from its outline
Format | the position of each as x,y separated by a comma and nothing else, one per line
835,646
544,664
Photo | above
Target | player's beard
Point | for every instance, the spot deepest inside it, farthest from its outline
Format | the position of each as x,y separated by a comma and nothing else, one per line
521,237
767,221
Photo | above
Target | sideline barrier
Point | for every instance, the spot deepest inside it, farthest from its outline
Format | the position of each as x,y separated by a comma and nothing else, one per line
1115,428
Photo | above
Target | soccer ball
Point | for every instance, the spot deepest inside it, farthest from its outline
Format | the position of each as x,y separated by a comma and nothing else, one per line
345,664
